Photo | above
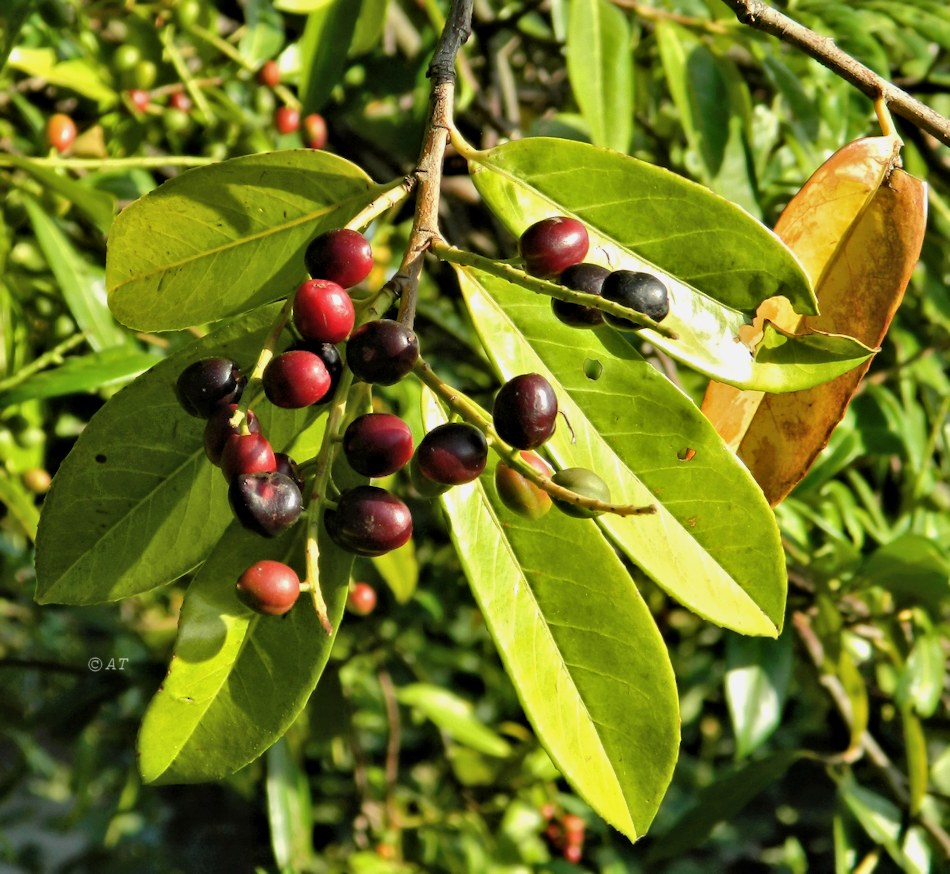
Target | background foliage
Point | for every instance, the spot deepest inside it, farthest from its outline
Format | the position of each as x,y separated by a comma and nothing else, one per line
418,684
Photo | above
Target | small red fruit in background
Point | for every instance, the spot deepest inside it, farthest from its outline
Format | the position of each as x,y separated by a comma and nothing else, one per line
269,74
269,587
180,101
60,131
140,98
315,130
361,599
287,119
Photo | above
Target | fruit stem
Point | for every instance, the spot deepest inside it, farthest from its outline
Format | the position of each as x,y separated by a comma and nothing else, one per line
181,68
312,580
395,194
517,276
475,415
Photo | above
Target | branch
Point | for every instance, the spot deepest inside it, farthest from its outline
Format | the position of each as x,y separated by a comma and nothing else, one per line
756,14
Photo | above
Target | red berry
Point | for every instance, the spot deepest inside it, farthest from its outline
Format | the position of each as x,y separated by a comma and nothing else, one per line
552,245
453,453
180,101
269,587
368,521
287,119
219,429
341,255
296,379
573,853
525,411
519,494
269,74
315,130
140,99
60,132
573,827
247,453
361,599
377,444
323,311
265,503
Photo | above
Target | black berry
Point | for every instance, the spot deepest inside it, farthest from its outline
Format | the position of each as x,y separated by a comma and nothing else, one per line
382,351
642,292
377,444
552,245
452,454
343,256
269,587
286,465
525,411
208,384
368,521
266,503
588,278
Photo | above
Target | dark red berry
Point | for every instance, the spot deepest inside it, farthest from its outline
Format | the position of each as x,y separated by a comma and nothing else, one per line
315,130
296,379
425,487
525,411
453,453
266,503
552,245
343,256
642,292
208,384
219,428
588,278
287,466
382,351
330,356
585,483
323,311
286,119
247,453
269,74
369,521
269,587
377,444
518,493
361,599
60,132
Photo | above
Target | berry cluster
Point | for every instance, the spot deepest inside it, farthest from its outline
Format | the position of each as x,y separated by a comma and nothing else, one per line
555,248
564,832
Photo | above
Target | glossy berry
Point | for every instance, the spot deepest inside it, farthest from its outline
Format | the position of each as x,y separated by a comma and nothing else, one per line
425,487
343,256
287,466
518,493
219,429
286,119
330,356
208,384
296,379
60,132
377,444
140,98
584,482
369,521
453,453
180,101
382,351
266,503
269,587
642,292
525,411
323,311
361,599
588,278
247,453
552,245
315,130
269,74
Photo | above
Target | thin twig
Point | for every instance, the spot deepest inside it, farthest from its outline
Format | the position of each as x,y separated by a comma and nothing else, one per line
392,748
762,17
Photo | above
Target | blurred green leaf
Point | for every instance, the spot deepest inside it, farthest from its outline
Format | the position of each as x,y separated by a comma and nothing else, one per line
600,69
880,819
400,570
219,240
19,503
923,676
76,74
369,26
289,809
913,568
263,36
324,47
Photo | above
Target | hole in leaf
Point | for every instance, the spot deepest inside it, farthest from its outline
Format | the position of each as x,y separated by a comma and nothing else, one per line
686,454
100,459
593,369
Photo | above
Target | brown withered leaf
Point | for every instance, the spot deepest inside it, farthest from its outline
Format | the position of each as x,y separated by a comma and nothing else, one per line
814,225
859,292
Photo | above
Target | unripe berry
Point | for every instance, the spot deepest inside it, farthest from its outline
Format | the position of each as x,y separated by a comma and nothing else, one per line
323,311
585,483
518,493
552,245
343,256
140,98
269,74
315,130
269,587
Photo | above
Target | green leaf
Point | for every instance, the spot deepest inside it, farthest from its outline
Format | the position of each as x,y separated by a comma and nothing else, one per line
913,568
369,26
400,570
756,684
600,69
922,679
75,74
879,817
719,802
658,220
324,47
237,680
136,504
580,646
18,504
455,716
263,36
79,281
216,241
713,544
289,809
82,373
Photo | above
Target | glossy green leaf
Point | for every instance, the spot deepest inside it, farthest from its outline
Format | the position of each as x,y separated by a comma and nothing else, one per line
98,205
82,373
878,816
216,241
719,802
400,570
756,684
654,218
922,679
713,544
289,809
80,282
237,680
369,26
600,69
455,716
580,646
324,47
136,503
